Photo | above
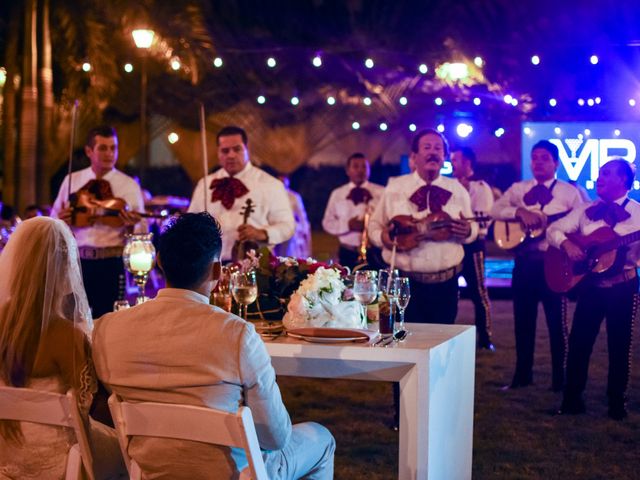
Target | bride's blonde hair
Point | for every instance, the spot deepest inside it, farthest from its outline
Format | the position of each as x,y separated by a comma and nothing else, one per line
40,281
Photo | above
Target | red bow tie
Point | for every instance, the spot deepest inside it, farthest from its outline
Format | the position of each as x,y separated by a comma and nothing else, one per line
359,195
227,190
610,212
538,194
435,196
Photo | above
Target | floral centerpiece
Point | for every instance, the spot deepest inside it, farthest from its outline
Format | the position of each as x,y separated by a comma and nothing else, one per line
318,303
301,292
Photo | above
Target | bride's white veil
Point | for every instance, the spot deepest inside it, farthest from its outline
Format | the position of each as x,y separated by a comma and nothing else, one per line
40,279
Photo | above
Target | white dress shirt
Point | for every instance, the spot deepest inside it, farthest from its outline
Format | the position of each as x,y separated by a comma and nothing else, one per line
272,208
98,235
177,348
565,198
577,221
340,210
298,246
428,256
481,203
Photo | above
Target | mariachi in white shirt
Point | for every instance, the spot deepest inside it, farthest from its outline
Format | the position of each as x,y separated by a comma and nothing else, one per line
565,199
272,208
481,203
428,256
578,221
98,235
340,210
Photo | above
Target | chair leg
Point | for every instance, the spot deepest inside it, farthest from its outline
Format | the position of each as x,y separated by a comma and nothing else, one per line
74,464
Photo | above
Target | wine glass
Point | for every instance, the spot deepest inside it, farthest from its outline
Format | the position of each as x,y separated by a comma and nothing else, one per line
365,286
384,282
244,290
401,294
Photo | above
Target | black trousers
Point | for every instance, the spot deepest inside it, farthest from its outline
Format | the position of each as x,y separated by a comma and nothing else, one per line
619,306
433,302
101,283
474,274
530,288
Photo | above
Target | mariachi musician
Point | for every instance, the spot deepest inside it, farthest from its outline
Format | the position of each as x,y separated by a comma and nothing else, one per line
532,202
100,239
610,294
430,256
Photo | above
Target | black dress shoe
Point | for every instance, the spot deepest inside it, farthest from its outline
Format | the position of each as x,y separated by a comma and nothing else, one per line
575,407
516,384
488,346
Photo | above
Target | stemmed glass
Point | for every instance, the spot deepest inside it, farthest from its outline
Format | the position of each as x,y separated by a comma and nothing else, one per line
244,290
385,283
401,294
365,286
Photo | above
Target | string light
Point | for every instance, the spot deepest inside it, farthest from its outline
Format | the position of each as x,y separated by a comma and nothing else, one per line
553,102
331,100
175,64
128,67
477,101
438,101
535,60
86,67
478,61
632,102
598,100
295,101
412,127
317,61
499,132
527,131
440,128
355,125
464,130
587,132
514,102
271,62
581,102
616,132
368,63
403,101
591,102
367,101
173,137
383,126
594,59
217,62
557,130
423,69
261,99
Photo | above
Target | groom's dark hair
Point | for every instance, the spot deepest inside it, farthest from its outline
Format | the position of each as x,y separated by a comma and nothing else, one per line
187,247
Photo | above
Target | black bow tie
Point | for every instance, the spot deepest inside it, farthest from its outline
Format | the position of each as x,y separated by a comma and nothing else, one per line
538,194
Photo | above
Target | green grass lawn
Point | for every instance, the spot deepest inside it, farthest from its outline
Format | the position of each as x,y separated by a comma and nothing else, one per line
515,436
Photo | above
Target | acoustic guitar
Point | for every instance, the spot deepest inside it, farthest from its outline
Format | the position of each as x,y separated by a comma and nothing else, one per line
510,233
240,249
602,249
409,232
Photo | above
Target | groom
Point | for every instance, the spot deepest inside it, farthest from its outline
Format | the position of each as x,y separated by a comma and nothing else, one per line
187,351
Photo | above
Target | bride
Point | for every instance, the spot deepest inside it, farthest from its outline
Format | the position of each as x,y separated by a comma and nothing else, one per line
45,323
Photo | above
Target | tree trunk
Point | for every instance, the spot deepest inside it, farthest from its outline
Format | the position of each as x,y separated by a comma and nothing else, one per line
29,113
45,109
9,115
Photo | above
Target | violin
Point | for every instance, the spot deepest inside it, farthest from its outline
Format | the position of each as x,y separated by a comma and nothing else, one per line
408,232
95,204
240,249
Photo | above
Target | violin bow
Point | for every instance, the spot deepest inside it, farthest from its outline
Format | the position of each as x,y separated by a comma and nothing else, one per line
205,159
74,120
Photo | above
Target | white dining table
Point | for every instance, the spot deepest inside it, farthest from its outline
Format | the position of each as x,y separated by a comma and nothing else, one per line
435,367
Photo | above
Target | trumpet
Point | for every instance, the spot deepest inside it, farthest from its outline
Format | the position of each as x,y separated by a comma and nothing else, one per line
364,238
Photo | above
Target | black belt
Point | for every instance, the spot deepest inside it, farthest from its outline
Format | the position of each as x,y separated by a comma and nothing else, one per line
435,277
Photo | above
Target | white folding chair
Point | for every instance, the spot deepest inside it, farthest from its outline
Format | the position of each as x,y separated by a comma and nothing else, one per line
28,405
187,422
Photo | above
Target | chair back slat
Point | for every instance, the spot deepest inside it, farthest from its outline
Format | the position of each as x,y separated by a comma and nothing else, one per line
187,422
49,408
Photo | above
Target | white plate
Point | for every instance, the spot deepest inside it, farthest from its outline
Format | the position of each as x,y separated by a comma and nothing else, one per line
307,338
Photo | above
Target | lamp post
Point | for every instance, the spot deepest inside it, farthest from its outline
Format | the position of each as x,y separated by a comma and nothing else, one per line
143,39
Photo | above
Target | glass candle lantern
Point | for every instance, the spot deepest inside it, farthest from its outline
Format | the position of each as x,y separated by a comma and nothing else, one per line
139,256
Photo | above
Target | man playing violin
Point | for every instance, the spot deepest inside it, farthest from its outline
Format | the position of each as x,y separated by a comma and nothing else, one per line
463,160
432,258
270,219
100,239
612,294
347,207
529,201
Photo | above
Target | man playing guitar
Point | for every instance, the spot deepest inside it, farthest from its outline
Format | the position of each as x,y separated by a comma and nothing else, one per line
612,294
522,201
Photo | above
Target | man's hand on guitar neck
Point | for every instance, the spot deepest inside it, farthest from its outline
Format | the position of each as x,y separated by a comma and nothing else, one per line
573,251
460,229
530,220
129,218
249,232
